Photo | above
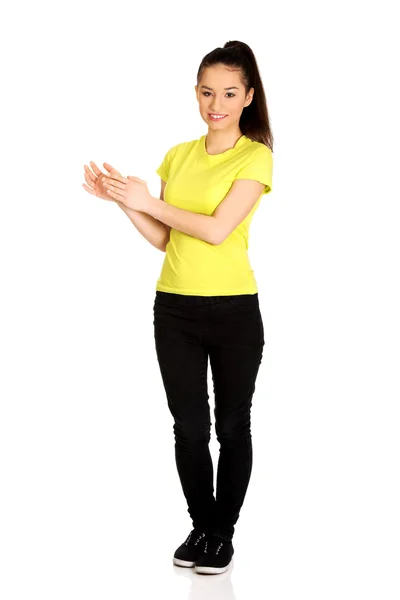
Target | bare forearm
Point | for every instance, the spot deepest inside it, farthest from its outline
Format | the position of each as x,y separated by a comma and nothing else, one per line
203,227
153,230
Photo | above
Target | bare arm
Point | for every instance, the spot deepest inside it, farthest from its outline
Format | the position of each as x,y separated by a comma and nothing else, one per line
155,232
200,226
215,228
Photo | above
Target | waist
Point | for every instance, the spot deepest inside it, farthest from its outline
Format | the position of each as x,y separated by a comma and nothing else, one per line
171,299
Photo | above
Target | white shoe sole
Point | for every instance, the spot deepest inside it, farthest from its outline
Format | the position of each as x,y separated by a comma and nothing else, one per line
183,563
212,570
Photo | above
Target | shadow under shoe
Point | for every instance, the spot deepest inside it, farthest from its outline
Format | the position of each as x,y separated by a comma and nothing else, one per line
188,552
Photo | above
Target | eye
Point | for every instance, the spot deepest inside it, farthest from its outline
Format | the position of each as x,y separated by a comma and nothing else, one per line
230,94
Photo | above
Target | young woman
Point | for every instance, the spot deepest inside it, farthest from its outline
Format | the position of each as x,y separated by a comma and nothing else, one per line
206,304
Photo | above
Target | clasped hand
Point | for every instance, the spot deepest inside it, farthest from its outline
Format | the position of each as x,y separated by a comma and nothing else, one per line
130,191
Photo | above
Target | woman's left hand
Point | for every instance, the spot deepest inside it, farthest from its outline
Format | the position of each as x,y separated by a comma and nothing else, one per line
131,191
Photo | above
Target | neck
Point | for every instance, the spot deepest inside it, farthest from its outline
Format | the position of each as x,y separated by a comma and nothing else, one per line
220,141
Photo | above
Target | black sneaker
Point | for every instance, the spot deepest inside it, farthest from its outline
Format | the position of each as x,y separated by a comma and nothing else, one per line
188,552
216,557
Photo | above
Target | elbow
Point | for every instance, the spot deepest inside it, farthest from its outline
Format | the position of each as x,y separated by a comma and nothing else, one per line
165,240
216,242
163,246
218,239
217,236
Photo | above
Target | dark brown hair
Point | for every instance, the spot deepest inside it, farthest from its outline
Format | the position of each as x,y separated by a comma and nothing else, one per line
254,121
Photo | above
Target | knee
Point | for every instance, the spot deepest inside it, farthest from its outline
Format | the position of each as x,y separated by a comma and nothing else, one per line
190,433
233,428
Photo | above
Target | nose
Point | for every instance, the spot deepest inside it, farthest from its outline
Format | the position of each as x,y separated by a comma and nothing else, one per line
216,109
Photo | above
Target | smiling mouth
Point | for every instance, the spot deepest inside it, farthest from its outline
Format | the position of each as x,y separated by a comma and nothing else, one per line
216,117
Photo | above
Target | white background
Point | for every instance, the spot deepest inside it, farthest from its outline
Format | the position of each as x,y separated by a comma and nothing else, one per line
90,503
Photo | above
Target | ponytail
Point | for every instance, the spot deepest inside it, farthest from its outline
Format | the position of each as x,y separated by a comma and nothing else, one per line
254,120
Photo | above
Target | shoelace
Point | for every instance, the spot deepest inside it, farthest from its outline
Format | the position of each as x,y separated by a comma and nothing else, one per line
213,545
198,539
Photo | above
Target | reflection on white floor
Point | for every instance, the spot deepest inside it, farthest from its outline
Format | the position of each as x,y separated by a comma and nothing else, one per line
208,587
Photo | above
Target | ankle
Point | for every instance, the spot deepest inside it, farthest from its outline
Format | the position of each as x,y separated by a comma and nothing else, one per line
221,536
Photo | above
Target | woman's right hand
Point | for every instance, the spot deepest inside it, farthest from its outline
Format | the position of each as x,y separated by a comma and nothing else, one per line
94,180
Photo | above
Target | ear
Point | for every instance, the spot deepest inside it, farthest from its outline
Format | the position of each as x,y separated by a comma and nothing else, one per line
249,97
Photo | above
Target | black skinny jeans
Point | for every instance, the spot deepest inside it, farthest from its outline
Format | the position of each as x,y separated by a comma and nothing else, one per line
228,330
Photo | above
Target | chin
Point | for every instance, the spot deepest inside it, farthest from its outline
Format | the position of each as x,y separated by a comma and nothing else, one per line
215,123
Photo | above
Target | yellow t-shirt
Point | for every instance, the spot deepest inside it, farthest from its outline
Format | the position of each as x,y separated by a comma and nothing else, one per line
198,181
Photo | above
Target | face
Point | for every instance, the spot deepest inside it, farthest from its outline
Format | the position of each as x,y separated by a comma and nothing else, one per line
221,92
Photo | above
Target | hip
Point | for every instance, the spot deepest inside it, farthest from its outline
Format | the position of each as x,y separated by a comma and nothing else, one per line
221,319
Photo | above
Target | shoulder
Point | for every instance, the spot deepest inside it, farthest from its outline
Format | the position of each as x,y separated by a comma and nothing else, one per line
187,145
255,155
179,152
173,150
181,148
257,148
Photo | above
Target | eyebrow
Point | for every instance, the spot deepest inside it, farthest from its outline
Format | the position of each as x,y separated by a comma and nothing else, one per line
229,88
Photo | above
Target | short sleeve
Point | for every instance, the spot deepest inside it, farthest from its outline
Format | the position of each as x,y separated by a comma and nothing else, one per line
164,169
259,167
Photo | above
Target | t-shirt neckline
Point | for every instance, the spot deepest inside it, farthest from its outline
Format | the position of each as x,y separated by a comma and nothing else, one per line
239,142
